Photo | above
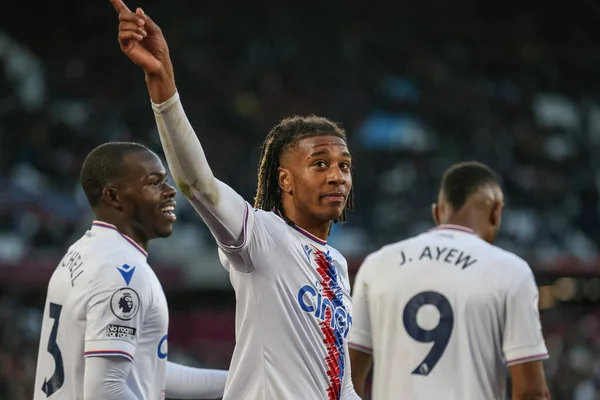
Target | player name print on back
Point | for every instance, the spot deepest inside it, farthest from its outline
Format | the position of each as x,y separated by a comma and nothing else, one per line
468,309
448,255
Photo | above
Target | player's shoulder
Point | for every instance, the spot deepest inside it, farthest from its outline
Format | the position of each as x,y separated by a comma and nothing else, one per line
269,227
378,259
391,250
508,261
336,255
110,260
269,219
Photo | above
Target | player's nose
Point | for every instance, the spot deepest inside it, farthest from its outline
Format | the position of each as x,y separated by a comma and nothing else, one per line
169,191
336,176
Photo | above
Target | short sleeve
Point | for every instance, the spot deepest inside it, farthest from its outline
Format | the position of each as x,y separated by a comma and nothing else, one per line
523,340
264,232
360,333
247,230
115,310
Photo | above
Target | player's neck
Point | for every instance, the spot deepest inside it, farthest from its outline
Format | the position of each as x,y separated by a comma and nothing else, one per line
320,230
466,221
315,227
124,228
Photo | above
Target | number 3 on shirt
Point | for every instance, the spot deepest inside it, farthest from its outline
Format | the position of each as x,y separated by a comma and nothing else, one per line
440,335
58,378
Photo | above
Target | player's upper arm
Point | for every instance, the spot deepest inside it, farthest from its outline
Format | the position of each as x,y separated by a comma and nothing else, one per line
523,342
528,381
264,233
230,219
360,334
105,378
115,308
522,337
360,364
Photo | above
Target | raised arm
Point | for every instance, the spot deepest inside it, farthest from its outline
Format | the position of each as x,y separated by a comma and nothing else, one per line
221,208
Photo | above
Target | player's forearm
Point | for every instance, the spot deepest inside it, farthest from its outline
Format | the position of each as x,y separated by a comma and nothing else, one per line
105,378
537,392
360,364
193,383
221,208
184,152
531,396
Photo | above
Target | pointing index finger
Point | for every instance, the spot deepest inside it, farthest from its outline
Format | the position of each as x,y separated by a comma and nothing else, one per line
119,6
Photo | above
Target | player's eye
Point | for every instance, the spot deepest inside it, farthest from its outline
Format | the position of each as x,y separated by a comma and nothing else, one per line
320,164
157,183
345,165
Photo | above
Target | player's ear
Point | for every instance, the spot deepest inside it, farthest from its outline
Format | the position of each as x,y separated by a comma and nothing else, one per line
496,215
110,197
435,213
284,180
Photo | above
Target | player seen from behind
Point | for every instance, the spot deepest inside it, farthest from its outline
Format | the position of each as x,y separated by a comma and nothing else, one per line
443,314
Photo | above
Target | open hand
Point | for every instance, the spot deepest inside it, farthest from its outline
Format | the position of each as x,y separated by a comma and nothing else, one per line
142,40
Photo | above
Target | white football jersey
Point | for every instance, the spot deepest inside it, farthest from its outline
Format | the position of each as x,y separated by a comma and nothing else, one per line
103,300
443,314
293,314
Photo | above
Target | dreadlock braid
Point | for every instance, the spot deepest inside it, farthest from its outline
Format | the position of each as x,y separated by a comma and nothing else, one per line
283,136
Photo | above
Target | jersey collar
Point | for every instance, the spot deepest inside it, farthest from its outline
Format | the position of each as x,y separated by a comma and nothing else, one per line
453,228
300,230
104,225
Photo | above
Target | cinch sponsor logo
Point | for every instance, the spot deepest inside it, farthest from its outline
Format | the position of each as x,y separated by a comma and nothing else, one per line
312,301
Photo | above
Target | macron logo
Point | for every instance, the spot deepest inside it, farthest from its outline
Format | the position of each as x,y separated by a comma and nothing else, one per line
126,272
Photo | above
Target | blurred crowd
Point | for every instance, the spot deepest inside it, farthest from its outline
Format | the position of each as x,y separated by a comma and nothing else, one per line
417,88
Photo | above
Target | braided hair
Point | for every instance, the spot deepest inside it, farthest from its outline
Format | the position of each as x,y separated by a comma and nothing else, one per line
282,137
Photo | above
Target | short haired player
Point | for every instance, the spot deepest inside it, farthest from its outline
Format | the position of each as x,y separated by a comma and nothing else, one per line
293,302
444,313
104,333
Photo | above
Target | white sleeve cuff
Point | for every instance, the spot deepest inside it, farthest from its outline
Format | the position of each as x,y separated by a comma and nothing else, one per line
246,230
360,347
360,341
526,354
120,348
165,105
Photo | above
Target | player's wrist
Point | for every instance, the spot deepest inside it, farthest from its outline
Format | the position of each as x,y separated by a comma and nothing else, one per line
161,85
164,74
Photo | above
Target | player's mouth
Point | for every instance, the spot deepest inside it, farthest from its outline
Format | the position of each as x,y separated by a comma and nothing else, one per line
168,210
334,197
